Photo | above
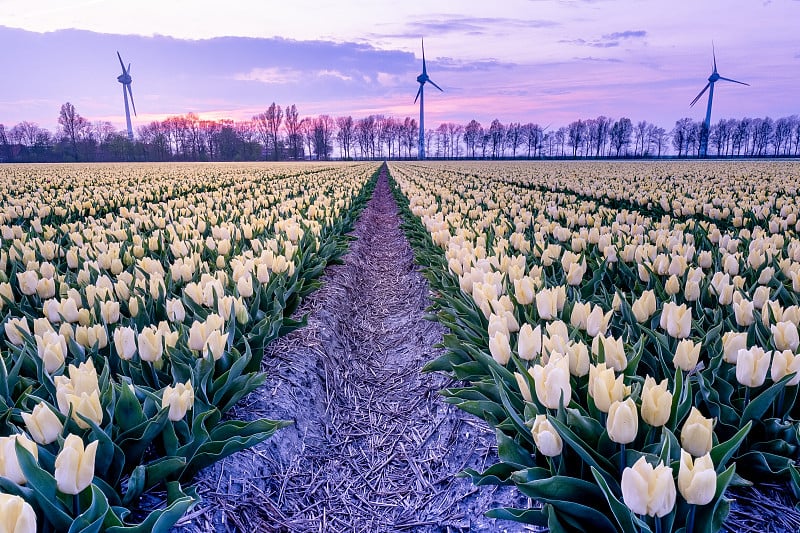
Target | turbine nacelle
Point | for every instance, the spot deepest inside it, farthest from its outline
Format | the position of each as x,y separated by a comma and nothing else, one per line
124,78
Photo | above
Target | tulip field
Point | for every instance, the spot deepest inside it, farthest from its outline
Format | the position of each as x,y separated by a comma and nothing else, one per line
630,330
136,301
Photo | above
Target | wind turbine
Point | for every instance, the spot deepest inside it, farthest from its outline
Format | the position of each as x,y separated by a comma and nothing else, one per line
125,79
715,77
422,79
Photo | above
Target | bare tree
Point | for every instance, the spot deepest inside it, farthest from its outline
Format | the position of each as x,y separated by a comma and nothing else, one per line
293,136
472,133
72,125
497,134
344,135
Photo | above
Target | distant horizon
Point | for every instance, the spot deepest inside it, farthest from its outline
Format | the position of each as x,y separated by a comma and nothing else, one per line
543,61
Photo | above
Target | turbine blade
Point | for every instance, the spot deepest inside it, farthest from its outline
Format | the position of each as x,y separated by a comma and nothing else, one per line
431,82
734,81
423,57
129,69
121,63
696,98
714,55
419,92
130,92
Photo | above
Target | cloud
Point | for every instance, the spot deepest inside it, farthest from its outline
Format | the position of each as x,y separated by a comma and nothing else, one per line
273,75
474,26
599,59
608,40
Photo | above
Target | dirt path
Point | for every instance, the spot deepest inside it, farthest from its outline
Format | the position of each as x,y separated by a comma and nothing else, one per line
373,448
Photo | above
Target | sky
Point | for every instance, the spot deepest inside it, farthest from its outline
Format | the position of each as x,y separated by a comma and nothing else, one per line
544,61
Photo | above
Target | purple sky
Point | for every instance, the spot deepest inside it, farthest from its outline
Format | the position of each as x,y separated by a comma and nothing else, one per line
546,61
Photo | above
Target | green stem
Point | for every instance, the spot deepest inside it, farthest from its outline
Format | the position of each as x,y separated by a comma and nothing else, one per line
746,397
780,414
658,524
690,519
622,459
76,505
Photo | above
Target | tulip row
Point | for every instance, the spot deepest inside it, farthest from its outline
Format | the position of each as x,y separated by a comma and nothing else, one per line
617,342
133,322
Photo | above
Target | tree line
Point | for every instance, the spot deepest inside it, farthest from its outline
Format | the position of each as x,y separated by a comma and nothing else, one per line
280,134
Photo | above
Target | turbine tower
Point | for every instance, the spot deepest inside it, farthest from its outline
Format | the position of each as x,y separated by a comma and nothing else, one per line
125,79
422,78
715,77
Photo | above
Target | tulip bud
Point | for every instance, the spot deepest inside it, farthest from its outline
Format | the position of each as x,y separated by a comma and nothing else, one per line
686,355
125,342
644,306
752,366
524,389
75,465
500,348
731,344
760,297
622,423
43,424
133,306
547,439
604,388
241,312
245,286
656,402
150,343
86,405
552,381
785,336
16,515
676,320
179,399
109,312
529,342
697,480
9,462
697,433
647,490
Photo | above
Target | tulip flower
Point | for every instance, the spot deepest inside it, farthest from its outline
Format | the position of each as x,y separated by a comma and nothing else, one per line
529,342
52,350
499,347
178,399
547,439
597,322
27,282
647,490
697,433
676,320
785,336
87,406
547,304
686,355
551,381
14,328
752,366
731,344
644,306
9,462
656,402
743,312
216,342
42,424
150,342
697,480
245,286
622,423
672,286
175,310
580,314
613,351
604,388
75,465
16,515
125,342
579,362
784,363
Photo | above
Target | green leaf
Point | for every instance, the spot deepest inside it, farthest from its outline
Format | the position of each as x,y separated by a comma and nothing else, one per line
526,516
44,490
621,512
759,405
721,453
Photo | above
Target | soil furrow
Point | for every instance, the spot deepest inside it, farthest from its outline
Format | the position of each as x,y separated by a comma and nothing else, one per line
373,447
